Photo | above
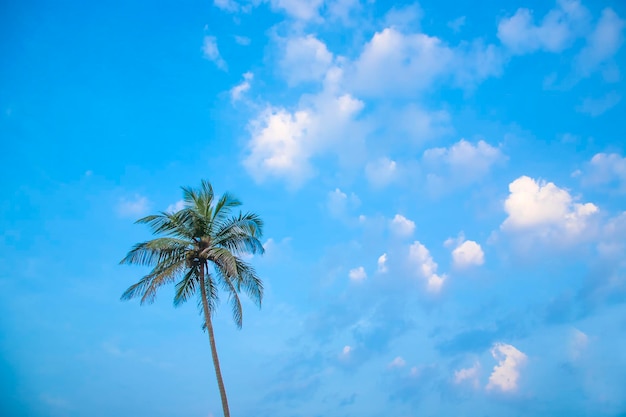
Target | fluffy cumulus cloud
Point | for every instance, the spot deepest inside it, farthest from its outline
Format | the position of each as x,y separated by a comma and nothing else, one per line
305,59
357,274
426,267
397,63
283,142
460,164
468,375
545,209
606,170
557,30
506,374
382,264
467,253
212,53
401,226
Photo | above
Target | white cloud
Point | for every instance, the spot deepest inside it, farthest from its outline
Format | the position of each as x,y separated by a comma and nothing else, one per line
381,172
468,374
461,164
342,9
418,124
305,59
338,202
467,253
398,362
401,226
557,31
283,142
299,9
602,43
345,352
394,63
506,374
457,24
420,257
404,18
227,5
243,40
544,208
237,92
212,53
382,264
135,206
177,206
357,274
577,344
597,106
607,169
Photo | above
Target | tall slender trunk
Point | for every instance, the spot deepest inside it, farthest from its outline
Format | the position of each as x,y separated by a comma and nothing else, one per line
209,326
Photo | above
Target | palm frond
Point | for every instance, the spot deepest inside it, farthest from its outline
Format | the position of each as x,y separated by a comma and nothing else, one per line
223,208
154,251
146,287
248,281
223,259
228,286
186,288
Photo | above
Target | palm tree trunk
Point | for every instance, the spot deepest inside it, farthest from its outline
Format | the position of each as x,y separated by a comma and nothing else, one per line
216,362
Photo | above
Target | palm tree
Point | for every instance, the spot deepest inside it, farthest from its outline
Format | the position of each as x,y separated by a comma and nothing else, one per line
204,233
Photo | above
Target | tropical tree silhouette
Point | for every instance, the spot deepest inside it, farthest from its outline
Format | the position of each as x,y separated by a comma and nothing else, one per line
200,249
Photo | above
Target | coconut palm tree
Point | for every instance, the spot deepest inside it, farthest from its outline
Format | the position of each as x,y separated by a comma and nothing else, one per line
200,248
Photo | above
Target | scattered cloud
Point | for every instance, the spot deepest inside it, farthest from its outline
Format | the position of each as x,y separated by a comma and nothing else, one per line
468,375
577,344
398,362
243,40
506,374
557,31
338,203
304,10
461,164
237,92
597,106
133,207
282,142
405,18
397,64
382,264
466,253
381,172
457,24
227,5
602,44
305,59
420,257
357,274
606,170
212,53
401,226
545,209
177,206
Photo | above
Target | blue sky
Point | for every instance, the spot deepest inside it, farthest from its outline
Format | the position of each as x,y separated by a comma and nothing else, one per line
443,185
